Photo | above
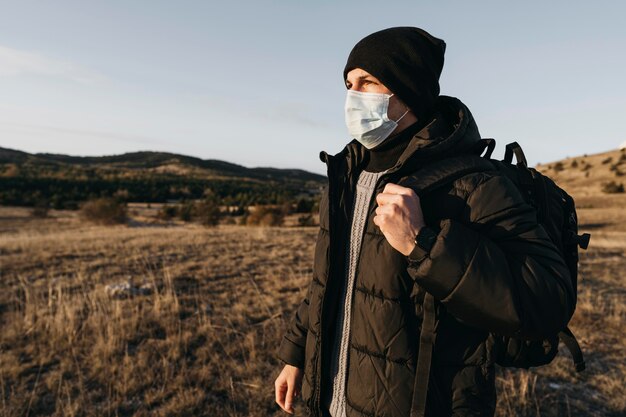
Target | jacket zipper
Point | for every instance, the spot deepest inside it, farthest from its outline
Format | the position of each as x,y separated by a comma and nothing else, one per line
331,219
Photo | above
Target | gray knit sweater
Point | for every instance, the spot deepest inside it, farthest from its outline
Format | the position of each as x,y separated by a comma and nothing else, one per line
334,397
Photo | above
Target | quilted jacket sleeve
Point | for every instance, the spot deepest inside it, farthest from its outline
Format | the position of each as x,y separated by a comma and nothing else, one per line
496,268
291,349
292,345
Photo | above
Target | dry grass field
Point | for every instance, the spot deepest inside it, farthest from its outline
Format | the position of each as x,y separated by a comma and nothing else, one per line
200,337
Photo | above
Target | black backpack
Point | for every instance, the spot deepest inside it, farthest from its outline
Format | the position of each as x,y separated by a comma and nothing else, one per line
556,212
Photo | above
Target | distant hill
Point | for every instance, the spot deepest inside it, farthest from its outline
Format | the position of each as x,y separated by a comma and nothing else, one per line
150,161
588,175
597,184
144,176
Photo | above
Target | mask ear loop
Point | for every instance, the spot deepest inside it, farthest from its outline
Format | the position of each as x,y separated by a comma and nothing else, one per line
407,109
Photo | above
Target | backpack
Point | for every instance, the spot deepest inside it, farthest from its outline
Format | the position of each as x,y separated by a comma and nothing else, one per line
556,212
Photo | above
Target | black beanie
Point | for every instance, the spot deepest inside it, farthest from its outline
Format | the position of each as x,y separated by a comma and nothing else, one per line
407,60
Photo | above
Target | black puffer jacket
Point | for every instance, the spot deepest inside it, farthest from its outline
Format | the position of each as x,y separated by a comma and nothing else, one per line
491,269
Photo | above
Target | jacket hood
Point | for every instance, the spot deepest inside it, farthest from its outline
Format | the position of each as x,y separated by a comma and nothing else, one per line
452,131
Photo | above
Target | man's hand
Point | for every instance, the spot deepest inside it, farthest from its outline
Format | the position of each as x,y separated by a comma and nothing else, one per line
399,216
287,386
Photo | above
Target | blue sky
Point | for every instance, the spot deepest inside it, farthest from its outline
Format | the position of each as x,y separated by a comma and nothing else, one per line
259,82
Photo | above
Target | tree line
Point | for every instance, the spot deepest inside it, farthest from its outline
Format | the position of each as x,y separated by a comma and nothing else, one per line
60,193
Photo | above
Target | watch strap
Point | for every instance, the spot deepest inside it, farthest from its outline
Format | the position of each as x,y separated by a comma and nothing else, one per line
424,241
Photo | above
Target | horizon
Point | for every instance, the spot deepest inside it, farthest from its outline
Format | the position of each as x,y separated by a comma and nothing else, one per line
623,145
260,85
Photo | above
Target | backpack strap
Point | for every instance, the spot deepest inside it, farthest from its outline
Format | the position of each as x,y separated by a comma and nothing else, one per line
580,240
514,148
445,171
424,358
568,338
541,191
429,178
485,143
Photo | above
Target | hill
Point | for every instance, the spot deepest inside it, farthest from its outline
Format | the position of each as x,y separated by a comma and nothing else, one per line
143,176
597,184
147,160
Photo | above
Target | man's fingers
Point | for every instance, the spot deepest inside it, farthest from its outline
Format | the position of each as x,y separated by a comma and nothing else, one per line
281,389
391,188
387,209
387,198
289,398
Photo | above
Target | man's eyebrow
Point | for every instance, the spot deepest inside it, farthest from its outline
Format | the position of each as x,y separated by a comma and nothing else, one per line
363,77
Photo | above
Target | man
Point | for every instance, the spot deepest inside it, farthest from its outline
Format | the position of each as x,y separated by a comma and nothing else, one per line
473,246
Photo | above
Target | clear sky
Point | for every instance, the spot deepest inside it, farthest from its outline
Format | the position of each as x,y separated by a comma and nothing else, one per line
259,82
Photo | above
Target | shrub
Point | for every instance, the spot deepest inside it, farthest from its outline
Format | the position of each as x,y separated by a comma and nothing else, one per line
612,187
229,220
58,201
287,208
574,164
266,216
40,209
304,205
209,211
186,211
559,166
316,205
105,210
306,220
166,212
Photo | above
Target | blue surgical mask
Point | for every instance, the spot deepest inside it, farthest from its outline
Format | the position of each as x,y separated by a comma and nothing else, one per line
367,119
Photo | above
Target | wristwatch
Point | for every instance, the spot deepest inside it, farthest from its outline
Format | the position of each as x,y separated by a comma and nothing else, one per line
424,241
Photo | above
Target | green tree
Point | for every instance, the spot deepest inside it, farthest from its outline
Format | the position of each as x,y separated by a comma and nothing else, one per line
186,210
209,210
